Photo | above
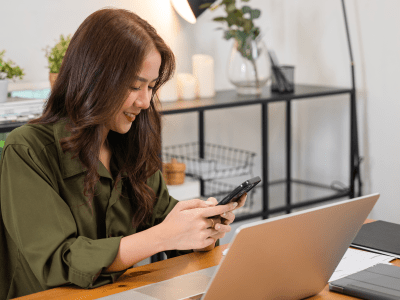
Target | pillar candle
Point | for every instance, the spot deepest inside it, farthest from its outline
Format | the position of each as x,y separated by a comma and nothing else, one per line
169,91
203,70
186,86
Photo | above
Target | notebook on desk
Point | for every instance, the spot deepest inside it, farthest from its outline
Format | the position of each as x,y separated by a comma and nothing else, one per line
287,257
380,237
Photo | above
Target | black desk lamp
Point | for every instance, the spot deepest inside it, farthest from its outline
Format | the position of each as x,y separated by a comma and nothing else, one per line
189,9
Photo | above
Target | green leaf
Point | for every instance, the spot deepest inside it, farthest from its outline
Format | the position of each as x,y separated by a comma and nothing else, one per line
246,9
205,5
2,143
240,36
9,68
247,26
230,8
56,54
231,19
229,34
219,19
255,13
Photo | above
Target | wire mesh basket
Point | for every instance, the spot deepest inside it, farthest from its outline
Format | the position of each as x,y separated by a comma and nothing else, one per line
219,190
218,162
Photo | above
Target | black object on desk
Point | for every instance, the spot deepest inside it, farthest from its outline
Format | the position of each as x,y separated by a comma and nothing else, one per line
379,236
379,282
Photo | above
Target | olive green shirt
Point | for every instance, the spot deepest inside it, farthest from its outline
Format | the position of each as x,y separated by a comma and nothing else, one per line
49,234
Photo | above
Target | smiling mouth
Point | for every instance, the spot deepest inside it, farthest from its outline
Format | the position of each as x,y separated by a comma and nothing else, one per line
129,117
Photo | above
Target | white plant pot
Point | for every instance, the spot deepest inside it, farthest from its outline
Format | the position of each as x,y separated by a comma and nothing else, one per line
3,90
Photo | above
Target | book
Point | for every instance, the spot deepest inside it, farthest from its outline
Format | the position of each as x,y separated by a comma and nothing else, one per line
379,282
380,237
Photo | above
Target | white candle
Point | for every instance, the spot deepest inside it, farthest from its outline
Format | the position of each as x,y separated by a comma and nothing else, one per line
203,70
169,91
186,86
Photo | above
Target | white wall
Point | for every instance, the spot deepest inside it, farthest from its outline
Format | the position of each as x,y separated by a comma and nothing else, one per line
307,33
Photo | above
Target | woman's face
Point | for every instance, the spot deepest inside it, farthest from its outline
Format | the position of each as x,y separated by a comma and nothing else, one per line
139,95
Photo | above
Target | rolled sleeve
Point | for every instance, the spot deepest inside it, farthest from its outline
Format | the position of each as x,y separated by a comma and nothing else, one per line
41,225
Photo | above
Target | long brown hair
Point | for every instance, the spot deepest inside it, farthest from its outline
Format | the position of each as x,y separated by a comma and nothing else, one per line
104,57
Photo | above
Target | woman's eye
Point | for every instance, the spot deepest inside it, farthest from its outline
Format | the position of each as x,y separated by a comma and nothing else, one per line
138,89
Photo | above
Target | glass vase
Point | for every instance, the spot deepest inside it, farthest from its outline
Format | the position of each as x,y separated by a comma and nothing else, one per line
249,67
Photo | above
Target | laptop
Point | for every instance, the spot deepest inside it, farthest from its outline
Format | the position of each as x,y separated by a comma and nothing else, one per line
286,257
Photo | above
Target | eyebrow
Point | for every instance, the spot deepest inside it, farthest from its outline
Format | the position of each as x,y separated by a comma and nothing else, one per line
145,80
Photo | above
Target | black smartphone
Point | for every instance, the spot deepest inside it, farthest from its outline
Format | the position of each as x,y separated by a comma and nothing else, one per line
245,187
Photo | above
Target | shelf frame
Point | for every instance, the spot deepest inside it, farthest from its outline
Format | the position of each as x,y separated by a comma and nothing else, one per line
229,99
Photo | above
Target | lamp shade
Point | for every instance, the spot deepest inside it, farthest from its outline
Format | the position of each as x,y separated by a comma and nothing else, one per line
189,9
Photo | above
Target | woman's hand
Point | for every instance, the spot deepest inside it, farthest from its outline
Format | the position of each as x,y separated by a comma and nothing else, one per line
188,225
229,217
222,222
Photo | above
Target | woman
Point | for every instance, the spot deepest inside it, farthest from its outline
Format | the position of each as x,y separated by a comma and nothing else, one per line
82,197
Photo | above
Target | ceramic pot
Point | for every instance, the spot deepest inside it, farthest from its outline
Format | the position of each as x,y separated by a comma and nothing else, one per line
249,67
52,78
3,90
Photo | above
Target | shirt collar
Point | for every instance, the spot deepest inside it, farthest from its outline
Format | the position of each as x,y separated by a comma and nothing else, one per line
72,166
69,166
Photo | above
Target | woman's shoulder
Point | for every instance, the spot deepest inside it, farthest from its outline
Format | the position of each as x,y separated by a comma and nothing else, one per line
35,136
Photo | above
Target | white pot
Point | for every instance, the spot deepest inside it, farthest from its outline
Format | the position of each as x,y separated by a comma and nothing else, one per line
3,90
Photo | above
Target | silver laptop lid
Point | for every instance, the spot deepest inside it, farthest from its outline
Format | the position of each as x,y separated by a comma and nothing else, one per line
291,256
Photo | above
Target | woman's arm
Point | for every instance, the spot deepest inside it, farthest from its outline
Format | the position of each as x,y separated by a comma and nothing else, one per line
186,227
136,247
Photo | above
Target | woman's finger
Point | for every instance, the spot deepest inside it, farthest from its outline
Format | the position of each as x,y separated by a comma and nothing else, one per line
222,228
227,217
242,201
212,201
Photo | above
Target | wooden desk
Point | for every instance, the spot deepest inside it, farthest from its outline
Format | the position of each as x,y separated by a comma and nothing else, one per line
156,272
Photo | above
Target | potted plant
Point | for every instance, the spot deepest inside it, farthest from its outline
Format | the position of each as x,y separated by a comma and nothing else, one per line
249,65
8,70
55,56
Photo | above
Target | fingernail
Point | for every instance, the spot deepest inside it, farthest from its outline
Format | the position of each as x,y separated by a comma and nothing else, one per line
208,202
224,214
235,204
217,227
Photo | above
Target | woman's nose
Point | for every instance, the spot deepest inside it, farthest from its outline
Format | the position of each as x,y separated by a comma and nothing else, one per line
144,99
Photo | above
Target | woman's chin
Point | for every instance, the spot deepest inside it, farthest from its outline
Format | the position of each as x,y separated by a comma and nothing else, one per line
124,128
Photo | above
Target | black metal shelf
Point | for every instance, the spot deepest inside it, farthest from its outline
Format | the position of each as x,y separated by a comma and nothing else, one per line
230,99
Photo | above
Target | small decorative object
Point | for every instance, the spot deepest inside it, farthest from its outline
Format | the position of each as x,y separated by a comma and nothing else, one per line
186,86
282,79
203,70
169,91
249,66
55,56
282,76
8,70
174,172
